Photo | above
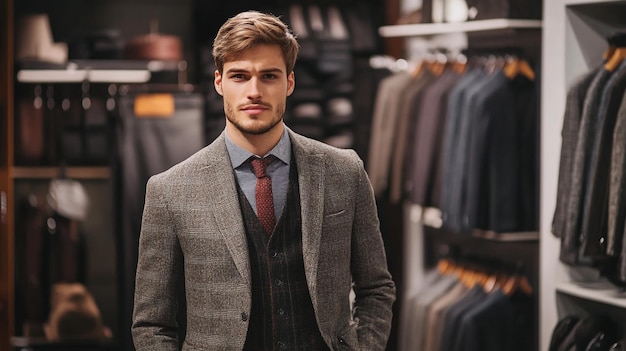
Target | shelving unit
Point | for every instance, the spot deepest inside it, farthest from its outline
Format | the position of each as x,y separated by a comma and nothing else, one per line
424,225
574,39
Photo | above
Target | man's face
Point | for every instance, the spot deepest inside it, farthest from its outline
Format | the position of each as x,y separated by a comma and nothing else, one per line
255,87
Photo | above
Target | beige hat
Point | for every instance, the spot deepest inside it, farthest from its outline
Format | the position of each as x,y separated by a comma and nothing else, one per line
34,41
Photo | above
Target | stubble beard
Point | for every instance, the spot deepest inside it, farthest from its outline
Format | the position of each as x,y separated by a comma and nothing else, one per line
257,127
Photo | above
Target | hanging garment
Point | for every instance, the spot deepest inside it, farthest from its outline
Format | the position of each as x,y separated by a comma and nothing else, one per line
422,182
570,240
569,136
148,144
384,122
411,99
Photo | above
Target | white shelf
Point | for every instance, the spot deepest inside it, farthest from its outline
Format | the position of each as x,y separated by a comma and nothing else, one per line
406,30
79,75
590,2
100,71
431,217
598,292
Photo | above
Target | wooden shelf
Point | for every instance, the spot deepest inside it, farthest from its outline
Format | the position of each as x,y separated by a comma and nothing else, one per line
52,172
602,292
425,29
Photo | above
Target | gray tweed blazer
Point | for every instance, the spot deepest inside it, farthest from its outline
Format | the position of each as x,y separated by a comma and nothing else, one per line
193,233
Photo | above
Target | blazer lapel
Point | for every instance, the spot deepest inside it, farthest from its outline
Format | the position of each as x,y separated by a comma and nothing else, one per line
310,175
222,189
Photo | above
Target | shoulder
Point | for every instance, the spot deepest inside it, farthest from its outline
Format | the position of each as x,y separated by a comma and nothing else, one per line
332,154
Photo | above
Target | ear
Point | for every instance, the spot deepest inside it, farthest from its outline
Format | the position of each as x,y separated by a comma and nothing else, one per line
217,82
291,83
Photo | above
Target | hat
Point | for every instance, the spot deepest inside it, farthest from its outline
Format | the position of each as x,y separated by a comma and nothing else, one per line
34,41
74,315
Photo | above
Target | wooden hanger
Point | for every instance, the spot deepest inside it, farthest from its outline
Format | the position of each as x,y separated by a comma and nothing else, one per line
438,64
156,100
614,40
419,68
615,59
468,278
445,266
608,52
517,282
437,67
459,67
491,283
459,63
516,66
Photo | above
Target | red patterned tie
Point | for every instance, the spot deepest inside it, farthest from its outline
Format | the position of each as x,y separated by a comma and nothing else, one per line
264,199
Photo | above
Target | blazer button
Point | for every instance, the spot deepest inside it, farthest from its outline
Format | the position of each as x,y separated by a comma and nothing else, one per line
340,339
244,316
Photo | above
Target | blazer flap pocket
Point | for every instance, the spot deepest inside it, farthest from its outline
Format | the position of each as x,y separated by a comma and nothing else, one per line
348,338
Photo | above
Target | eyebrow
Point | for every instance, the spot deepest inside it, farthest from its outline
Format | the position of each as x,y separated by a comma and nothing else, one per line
241,70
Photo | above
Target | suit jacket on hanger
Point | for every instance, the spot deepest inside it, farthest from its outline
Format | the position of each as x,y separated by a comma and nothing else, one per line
450,197
408,116
457,164
423,162
617,186
491,173
569,136
384,123
570,240
595,207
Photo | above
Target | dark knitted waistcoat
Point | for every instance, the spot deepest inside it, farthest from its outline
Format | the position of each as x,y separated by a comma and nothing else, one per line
282,316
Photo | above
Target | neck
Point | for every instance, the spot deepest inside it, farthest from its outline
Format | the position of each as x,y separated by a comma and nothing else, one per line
258,144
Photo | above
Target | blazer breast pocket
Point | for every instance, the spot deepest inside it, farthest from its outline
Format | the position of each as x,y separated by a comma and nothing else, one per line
334,214
337,222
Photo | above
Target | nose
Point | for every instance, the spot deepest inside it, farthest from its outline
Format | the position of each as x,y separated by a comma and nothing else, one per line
254,89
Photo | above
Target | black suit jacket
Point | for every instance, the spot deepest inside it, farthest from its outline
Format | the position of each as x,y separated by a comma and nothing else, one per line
595,208
570,240
491,197
569,136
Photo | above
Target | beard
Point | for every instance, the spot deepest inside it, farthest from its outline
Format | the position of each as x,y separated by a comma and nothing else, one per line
253,126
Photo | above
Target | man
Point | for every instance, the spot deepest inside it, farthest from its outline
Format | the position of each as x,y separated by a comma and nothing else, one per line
261,271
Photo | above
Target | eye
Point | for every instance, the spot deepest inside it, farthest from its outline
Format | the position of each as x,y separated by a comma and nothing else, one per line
238,76
269,76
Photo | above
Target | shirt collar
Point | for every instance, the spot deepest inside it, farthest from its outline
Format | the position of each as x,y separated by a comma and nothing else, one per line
239,155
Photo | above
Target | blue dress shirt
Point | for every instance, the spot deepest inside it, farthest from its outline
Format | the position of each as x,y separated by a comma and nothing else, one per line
278,171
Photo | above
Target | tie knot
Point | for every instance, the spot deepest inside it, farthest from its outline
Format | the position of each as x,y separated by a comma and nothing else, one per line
259,165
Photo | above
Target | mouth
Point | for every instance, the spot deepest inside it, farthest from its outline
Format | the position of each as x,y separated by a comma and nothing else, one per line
255,108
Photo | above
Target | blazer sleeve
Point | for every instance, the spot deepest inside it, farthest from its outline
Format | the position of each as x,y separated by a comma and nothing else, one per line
373,286
159,272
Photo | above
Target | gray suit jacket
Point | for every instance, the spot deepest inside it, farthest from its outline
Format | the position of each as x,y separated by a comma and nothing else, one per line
193,234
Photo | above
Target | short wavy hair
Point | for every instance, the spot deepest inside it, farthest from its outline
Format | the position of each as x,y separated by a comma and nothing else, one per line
251,28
